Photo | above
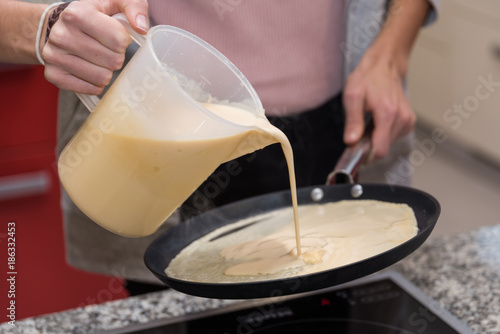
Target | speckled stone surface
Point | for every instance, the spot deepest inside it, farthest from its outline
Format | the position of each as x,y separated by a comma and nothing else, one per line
460,272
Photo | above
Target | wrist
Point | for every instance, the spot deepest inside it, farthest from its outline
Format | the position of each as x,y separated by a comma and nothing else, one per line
388,54
393,45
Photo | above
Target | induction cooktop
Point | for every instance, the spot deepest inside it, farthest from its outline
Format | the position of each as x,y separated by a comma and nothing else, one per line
382,303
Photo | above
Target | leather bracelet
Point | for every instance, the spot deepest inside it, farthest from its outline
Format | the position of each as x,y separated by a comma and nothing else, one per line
41,24
53,17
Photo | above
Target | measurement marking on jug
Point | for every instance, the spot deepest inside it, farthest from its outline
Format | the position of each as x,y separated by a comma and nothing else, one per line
206,80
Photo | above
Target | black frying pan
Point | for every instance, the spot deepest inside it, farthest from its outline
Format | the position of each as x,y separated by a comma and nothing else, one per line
168,245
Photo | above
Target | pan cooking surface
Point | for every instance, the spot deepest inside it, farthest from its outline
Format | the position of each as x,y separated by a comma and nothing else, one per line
168,245
264,247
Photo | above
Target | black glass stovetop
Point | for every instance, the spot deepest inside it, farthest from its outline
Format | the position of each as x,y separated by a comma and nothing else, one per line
383,303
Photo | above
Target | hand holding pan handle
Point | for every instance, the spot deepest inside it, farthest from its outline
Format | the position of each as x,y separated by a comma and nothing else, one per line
346,169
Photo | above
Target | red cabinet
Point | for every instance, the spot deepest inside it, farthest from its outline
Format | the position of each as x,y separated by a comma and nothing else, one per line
33,273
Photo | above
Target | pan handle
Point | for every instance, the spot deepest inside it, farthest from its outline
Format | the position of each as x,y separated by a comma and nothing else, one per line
346,169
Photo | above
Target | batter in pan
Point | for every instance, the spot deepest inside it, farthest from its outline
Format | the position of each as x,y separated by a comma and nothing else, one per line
332,235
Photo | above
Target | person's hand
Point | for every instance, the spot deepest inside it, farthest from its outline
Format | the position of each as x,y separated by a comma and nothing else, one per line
86,44
377,87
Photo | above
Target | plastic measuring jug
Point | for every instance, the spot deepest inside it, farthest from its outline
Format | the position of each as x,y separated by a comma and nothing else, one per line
177,111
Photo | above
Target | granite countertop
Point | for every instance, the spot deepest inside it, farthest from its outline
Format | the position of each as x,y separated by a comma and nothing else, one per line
461,272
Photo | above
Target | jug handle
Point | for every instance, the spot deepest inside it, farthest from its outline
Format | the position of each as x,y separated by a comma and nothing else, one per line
91,101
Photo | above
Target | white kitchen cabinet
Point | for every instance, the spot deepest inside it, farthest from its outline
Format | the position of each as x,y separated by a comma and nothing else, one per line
454,76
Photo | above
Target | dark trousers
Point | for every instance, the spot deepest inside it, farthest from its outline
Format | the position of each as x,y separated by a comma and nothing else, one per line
316,139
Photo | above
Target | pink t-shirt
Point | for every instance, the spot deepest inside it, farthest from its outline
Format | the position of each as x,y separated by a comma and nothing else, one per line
289,50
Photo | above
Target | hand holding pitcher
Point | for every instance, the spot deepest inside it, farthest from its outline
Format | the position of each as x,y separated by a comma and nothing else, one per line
89,69
174,114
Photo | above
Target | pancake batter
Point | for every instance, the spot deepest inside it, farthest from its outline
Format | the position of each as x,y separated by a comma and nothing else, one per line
130,176
332,235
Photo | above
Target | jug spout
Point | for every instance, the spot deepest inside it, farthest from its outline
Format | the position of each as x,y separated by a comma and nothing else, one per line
263,135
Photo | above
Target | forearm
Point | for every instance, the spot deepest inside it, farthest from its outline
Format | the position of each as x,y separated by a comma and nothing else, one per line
397,36
18,27
375,86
